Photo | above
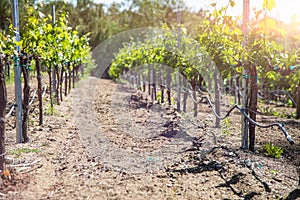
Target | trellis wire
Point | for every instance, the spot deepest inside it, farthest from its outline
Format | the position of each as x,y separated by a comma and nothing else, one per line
31,101
10,111
33,97
242,110
45,89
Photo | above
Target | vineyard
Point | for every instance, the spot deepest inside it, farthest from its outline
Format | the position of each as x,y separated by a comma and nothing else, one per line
206,110
47,48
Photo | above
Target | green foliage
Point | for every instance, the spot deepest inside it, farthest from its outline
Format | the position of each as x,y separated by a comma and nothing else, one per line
226,126
57,43
172,101
269,110
9,80
20,151
273,171
7,43
269,4
277,112
158,96
272,151
290,103
52,110
161,47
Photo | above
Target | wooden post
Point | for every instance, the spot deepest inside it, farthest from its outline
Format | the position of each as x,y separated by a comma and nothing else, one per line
217,97
245,76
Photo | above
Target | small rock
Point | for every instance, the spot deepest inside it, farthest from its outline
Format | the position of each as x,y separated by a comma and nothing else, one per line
278,179
51,139
89,176
173,181
91,160
161,176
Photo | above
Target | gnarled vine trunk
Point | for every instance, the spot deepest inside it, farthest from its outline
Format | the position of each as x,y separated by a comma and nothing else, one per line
186,92
149,80
168,81
66,81
194,87
298,101
144,84
70,78
61,82
73,77
3,102
58,85
160,82
153,95
26,98
252,105
7,66
40,92
50,90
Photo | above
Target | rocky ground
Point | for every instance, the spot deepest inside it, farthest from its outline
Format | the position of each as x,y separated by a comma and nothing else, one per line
108,141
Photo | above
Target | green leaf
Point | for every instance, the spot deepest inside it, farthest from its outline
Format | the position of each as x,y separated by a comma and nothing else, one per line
269,4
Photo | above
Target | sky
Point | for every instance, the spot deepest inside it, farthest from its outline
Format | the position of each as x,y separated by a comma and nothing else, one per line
284,10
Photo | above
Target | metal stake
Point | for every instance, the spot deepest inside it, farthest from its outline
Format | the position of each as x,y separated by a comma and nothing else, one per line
54,92
178,70
18,85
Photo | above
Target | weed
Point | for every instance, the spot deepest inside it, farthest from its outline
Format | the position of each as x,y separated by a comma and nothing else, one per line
272,151
20,151
45,144
269,110
226,126
9,80
158,97
52,111
277,113
172,101
273,171
290,103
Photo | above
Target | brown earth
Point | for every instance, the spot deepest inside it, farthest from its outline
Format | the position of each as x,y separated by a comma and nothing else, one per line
108,141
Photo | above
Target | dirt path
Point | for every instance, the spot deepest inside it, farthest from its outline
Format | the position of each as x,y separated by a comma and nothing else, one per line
98,147
114,133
